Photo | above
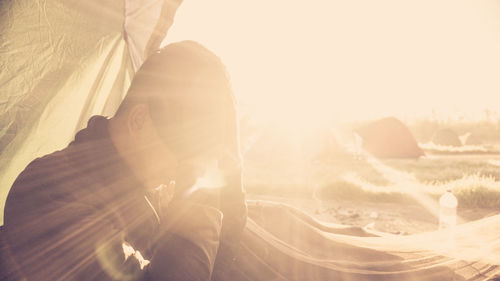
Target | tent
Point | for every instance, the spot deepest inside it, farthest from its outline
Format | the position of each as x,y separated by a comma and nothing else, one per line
283,243
389,138
473,139
446,137
64,61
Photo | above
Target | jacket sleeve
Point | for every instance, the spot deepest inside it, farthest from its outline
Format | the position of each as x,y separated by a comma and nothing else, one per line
234,208
232,197
187,244
54,239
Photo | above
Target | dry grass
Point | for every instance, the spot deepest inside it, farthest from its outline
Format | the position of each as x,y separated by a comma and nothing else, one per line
474,180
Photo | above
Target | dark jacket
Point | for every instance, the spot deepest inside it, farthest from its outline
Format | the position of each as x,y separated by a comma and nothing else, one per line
80,214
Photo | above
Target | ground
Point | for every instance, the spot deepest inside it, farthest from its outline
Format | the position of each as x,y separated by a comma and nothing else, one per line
396,195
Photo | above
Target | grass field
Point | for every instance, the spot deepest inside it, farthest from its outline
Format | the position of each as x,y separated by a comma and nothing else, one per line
396,195
474,179
331,176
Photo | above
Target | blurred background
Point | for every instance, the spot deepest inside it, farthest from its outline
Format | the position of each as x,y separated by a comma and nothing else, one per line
364,102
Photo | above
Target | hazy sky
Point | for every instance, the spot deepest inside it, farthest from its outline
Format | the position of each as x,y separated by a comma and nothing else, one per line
348,60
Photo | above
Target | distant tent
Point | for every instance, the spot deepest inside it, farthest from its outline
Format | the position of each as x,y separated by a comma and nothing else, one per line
446,137
64,61
473,139
389,138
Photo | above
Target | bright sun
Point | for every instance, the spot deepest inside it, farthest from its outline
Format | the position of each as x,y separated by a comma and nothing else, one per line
299,63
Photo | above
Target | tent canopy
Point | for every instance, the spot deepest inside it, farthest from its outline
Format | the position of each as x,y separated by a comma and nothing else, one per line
62,62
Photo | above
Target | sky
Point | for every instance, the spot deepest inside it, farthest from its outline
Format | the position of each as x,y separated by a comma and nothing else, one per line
335,61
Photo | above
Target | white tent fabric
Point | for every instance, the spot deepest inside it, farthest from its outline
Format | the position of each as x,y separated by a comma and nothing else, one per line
146,25
62,61
282,242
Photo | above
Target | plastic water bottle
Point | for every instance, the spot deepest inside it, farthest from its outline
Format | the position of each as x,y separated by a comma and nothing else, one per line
448,216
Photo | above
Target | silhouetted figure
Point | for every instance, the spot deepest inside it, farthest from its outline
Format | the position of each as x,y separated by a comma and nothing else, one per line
116,204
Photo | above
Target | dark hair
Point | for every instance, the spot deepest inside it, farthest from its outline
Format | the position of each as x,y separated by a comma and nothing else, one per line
189,96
